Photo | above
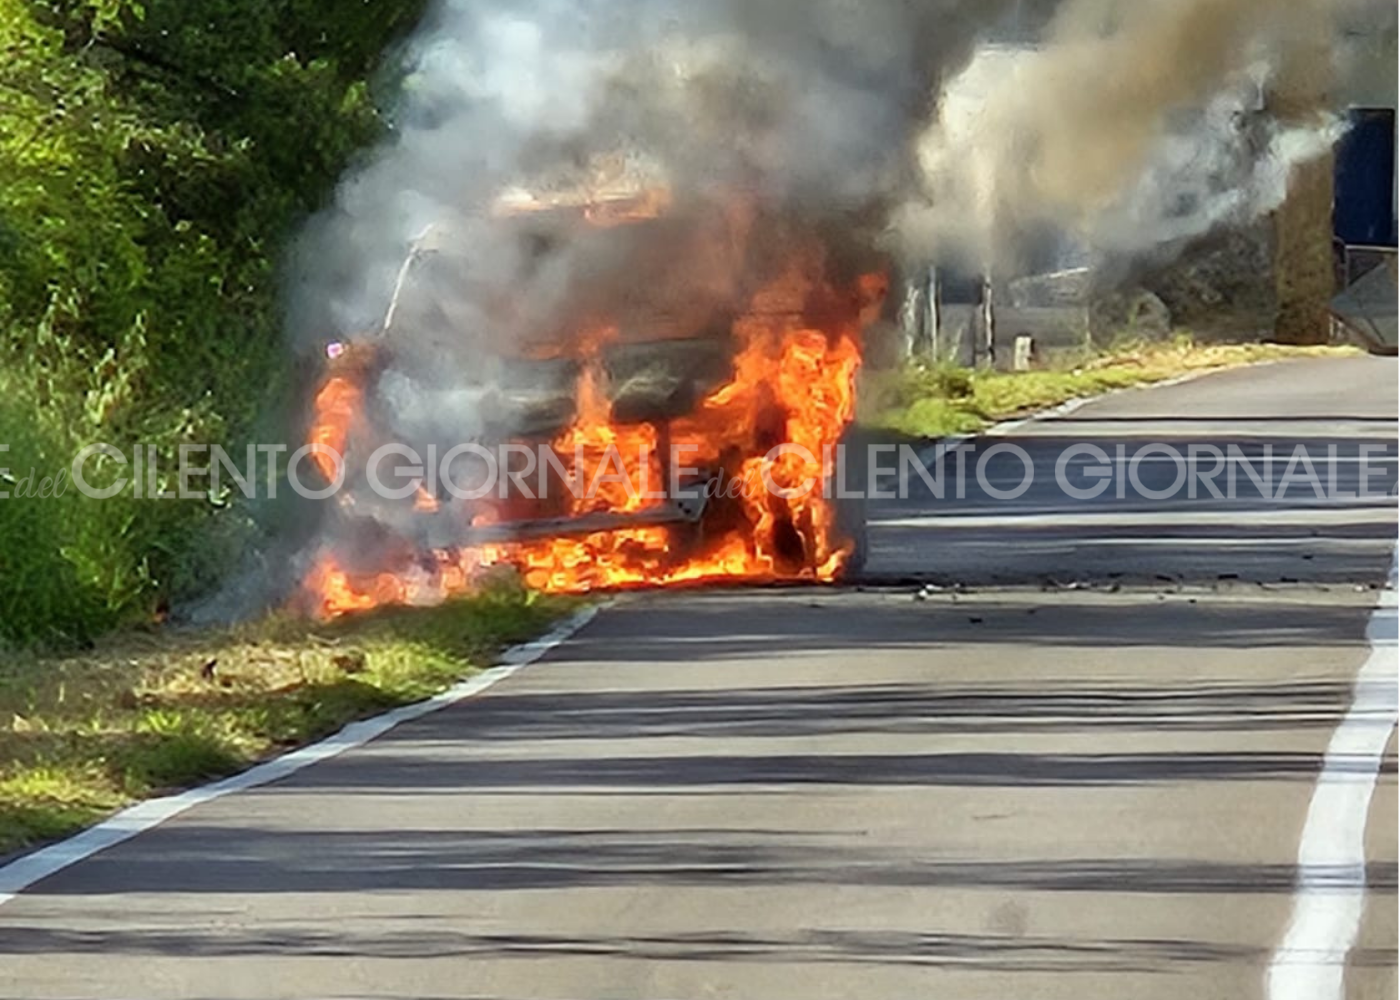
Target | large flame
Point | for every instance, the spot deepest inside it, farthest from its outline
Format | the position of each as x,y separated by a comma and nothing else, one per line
337,407
793,384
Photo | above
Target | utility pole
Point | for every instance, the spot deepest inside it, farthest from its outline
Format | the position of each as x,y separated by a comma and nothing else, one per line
911,320
989,320
934,314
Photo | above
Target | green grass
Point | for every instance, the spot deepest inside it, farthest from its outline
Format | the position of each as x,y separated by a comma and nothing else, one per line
929,401
144,714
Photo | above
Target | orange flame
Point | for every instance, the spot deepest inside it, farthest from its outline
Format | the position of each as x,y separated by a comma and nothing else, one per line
337,407
793,385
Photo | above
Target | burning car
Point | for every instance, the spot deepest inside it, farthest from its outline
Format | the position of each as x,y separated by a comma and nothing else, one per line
672,412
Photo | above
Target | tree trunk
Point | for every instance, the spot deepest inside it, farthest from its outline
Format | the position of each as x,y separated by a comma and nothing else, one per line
1303,267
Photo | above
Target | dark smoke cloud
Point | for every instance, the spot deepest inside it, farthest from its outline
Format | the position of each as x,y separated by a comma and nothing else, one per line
808,102
1133,123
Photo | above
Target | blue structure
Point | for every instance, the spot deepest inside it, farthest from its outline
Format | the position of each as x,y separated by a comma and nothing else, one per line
1366,180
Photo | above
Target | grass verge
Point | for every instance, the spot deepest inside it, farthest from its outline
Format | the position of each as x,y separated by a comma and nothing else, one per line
928,401
147,714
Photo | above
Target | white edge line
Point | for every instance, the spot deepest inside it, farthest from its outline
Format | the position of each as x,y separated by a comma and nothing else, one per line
948,445
944,446
25,871
1330,897
1074,405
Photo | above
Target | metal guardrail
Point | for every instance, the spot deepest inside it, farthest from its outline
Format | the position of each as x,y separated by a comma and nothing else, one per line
1355,262
1365,310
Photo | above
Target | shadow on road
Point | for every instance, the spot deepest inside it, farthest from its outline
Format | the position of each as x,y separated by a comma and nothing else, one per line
1006,953
787,626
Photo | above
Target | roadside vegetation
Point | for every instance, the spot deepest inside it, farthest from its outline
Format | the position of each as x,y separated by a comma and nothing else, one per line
147,713
157,158
931,401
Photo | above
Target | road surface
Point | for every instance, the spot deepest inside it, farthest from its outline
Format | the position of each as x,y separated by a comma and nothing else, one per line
1069,785
1342,407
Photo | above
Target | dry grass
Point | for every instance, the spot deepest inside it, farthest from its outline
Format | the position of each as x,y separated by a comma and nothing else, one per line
143,714
933,401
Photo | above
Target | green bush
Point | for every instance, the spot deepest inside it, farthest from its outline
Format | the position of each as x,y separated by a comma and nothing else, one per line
156,158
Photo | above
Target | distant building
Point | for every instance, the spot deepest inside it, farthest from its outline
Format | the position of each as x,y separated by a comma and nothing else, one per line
1367,189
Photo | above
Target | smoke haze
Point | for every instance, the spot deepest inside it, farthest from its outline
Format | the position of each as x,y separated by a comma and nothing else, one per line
1127,125
808,104
1134,123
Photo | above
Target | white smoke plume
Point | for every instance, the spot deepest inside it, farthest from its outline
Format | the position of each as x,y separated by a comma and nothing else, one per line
1131,124
804,102
1113,125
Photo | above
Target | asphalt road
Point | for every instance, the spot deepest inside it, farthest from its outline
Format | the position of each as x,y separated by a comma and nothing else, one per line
1026,791
1286,522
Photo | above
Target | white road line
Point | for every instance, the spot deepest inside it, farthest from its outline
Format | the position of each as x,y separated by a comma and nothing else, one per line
935,452
21,874
1310,964
1054,413
940,449
1075,405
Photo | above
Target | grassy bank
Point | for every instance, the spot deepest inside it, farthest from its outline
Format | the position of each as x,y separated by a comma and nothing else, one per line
934,401
146,714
